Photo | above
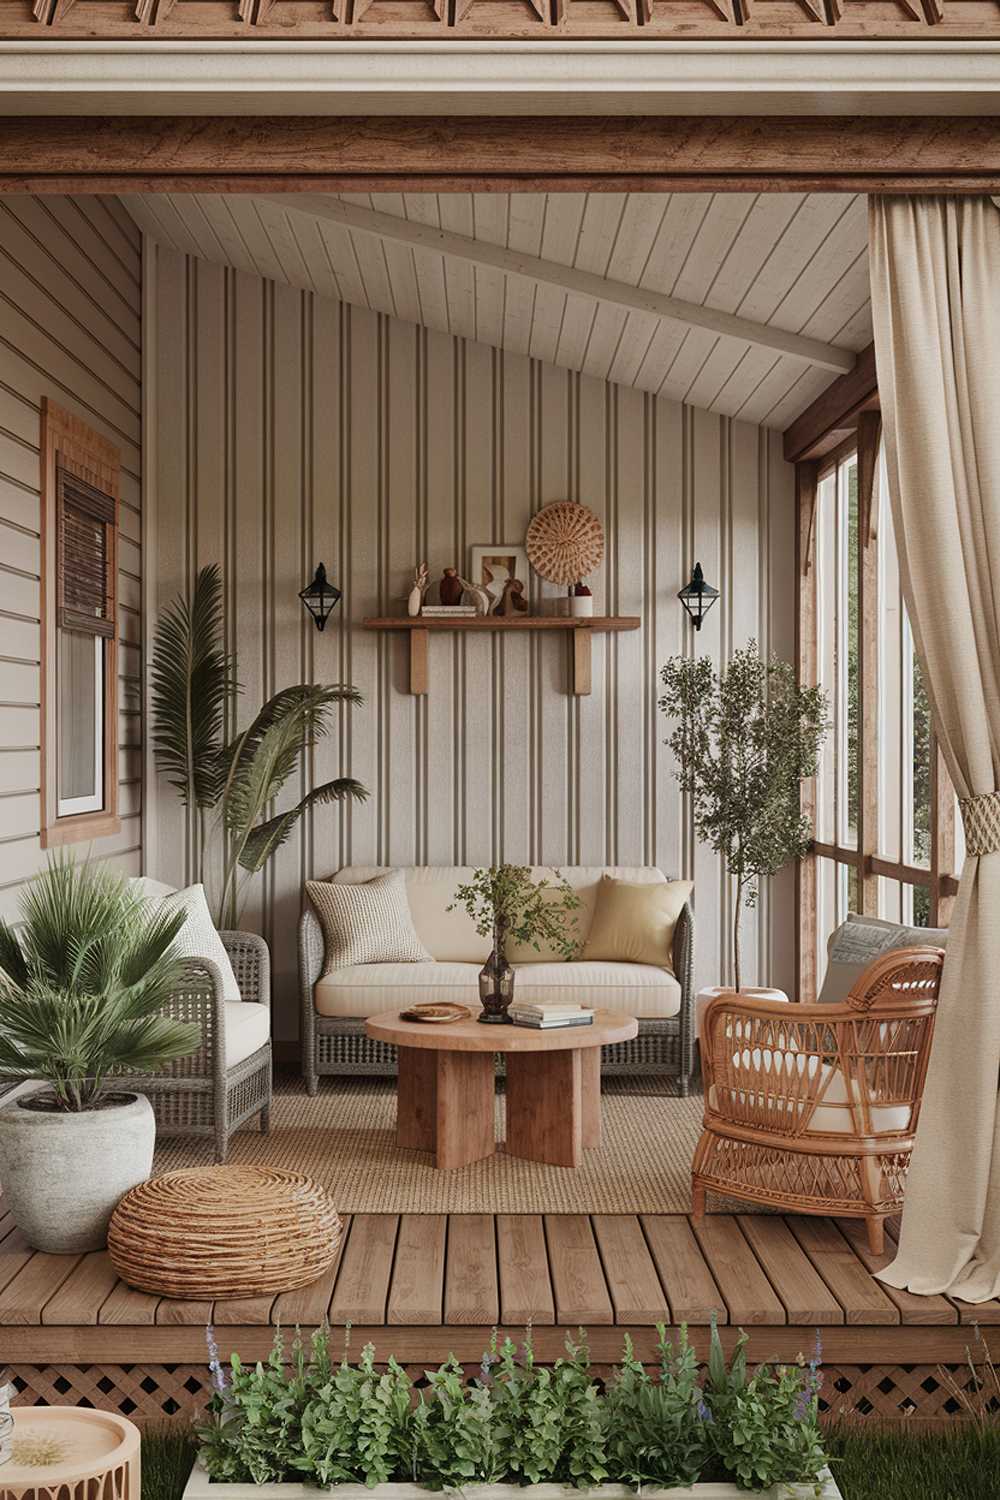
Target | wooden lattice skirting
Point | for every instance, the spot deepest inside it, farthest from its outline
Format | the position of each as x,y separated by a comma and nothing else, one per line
151,1392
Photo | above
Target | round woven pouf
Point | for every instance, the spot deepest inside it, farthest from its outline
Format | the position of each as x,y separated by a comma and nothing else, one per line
224,1232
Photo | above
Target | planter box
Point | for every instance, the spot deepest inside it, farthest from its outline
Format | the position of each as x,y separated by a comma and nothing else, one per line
199,1488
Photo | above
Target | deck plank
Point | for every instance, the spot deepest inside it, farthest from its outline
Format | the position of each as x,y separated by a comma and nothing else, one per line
912,1309
310,1304
684,1274
581,1291
15,1252
749,1295
78,1301
525,1281
471,1294
806,1296
862,1299
179,1312
125,1307
417,1284
362,1288
243,1312
25,1295
636,1293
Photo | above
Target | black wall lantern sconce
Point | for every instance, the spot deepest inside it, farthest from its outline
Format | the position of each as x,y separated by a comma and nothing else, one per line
320,597
698,596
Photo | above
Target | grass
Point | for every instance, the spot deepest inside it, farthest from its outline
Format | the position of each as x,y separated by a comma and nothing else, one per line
871,1464
962,1463
167,1456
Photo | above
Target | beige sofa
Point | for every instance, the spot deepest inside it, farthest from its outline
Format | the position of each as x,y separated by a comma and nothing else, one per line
334,1008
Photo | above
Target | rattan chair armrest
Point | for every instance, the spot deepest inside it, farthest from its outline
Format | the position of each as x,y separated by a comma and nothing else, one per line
199,998
251,961
312,950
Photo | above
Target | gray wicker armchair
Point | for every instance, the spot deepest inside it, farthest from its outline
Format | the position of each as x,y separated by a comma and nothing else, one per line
199,1095
339,1045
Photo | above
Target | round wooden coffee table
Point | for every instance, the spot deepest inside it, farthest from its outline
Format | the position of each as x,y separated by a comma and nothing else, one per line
444,1097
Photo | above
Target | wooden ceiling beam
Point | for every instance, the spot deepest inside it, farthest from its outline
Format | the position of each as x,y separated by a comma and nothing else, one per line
833,416
569,279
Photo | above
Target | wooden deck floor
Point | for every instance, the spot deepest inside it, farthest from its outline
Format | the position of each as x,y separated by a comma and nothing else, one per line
421,1286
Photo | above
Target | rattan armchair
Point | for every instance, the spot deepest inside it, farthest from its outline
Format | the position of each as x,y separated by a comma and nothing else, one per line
199,1095
813,1108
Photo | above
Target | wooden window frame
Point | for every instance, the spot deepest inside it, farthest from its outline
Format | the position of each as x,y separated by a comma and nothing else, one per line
68,443
845,419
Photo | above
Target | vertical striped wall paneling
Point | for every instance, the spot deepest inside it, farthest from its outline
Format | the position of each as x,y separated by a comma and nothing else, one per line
70,328
293,429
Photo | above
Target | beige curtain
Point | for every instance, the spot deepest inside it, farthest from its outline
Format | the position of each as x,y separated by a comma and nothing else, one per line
935,279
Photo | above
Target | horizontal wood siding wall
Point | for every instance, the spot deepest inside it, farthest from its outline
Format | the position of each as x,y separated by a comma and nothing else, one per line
293,429
70,328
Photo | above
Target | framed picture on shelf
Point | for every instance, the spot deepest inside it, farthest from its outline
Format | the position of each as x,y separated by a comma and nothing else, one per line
493,564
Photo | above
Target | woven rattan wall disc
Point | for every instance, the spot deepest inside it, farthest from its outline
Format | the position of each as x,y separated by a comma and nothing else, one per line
224,1232
565,542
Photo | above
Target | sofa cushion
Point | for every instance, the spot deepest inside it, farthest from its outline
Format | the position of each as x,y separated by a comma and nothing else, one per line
634,921
629,989
859,941
451,936
248,1027
367,923
198,937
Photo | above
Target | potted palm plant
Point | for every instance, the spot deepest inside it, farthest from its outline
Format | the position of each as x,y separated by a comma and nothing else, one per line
507,905
233,778
83,979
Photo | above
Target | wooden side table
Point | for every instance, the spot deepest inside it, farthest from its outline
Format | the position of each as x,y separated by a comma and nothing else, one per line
72,1452
445,1091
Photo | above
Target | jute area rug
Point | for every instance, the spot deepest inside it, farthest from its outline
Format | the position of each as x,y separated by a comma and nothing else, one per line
345,1139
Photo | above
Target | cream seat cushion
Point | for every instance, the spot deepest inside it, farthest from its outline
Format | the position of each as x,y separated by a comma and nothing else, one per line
829,1117
248,1027
639,990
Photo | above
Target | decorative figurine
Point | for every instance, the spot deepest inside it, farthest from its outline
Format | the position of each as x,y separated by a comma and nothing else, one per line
481,597
415,598
451,587
512,600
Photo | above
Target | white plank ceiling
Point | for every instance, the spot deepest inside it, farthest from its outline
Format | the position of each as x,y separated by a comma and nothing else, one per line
791,262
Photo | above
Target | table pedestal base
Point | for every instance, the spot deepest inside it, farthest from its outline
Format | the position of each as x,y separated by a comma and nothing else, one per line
445,1104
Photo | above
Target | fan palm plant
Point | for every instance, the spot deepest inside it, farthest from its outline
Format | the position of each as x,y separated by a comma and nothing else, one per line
83,979
232,783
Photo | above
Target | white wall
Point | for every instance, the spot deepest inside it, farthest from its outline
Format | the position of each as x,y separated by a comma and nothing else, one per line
292,429
70,328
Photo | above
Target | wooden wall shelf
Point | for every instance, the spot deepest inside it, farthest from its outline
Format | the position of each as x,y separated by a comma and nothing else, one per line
579,631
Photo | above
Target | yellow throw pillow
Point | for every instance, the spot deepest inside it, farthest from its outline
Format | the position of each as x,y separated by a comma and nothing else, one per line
634,924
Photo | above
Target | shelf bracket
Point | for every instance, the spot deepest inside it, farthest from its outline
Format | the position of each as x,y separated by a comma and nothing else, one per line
580,646
418,662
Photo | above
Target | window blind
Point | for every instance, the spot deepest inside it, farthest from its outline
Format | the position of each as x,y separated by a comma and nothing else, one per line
86,593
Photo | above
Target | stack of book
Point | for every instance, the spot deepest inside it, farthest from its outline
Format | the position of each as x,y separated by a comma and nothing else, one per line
544,1015
448,611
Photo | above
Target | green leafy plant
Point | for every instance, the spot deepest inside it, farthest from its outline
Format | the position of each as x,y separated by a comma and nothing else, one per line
232,779
83,978
764,1427
744,741
506,904
517,1422
657,1429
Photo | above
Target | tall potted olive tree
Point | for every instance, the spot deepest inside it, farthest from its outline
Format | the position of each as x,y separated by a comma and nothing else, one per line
743,741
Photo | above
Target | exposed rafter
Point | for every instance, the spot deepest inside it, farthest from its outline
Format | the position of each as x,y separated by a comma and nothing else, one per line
568,278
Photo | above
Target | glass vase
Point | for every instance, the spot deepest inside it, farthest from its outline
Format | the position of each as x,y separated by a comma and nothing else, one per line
496,989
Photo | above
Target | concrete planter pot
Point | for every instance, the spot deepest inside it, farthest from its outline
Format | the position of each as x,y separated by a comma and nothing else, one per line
62,1174
200,1488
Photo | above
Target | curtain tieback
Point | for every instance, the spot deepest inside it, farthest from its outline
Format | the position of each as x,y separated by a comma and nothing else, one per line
981,821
